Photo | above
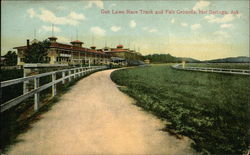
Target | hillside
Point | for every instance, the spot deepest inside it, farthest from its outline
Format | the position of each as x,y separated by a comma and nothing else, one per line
240,59
166,58
188,59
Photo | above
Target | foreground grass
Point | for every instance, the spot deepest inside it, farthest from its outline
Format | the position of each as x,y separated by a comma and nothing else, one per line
212,109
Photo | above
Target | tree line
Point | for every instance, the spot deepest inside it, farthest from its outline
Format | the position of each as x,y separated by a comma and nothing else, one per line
161,58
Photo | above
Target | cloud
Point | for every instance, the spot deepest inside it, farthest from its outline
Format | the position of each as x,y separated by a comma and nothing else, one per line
145,28
226,25
48,16
221,34
195,26
201,4
184,24
31,12
63,39
98,31
132,24
173,21
115,28
152,30
48,28
61,8
97,3
226,18
112,5
239,15
76,16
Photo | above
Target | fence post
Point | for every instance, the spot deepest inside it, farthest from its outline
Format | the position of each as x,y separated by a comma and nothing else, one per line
69,72
63,76
25,82
74,73
54,85
81,71
84,71
36,95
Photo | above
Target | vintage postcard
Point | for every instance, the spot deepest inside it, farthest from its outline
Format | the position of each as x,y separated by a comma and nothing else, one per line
124,77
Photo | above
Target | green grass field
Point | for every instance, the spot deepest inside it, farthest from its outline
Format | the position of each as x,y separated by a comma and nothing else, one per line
212,109
221,65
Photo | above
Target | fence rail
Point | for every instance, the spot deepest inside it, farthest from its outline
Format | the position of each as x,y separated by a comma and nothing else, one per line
37,88
213,70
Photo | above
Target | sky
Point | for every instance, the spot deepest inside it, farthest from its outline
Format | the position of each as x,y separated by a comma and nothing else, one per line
201,29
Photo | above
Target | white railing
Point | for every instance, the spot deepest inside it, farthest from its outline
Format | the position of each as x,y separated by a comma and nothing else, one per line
77,72
214,70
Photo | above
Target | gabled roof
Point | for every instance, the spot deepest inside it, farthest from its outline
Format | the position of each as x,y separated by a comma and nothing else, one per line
119,46
118,50
77,41
21,47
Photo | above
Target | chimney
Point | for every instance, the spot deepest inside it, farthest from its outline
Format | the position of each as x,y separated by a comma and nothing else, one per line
28,42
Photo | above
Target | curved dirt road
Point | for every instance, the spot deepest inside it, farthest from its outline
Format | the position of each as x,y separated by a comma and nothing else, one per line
94,117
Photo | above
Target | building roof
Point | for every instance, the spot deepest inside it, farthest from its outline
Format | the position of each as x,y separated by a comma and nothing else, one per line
113,50
119,46
67,47
21,47
52,38
77,41
3,58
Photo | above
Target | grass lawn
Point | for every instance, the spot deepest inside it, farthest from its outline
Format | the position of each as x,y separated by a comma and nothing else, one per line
212,109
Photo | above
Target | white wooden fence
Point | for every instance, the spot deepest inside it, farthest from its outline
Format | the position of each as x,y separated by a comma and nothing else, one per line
214,70
72,73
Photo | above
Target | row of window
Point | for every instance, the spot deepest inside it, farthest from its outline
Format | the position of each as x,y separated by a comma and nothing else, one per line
46,59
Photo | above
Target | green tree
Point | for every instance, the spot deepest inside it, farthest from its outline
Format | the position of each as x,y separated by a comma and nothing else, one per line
161,58
11,58
37,52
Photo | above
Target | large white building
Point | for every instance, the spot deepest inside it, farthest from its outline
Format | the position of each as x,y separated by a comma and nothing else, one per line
71,54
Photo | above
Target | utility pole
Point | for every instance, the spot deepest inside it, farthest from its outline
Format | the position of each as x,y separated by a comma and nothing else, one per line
52,30
79,58
71,36
84,58
34,33
76,34
92,40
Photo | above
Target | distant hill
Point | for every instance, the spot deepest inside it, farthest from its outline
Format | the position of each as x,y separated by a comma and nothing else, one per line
161,58
166,58
240,59
188,59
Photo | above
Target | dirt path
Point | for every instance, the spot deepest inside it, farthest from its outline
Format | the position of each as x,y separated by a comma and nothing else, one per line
94,117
